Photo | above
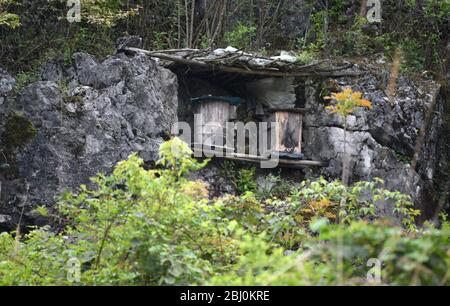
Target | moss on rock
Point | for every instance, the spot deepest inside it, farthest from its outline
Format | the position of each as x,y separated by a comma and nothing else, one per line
18,132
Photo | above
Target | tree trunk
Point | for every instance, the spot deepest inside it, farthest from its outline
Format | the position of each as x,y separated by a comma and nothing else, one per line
346,159
363,8
325,28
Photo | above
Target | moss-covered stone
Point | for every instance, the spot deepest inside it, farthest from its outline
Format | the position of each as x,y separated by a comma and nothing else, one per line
78,150
18,132
73,99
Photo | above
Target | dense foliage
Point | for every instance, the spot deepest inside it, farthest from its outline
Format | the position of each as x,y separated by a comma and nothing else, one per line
419,28
8,19
148,227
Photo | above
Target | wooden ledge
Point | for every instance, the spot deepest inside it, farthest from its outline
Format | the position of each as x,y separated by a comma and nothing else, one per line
283,162
289,110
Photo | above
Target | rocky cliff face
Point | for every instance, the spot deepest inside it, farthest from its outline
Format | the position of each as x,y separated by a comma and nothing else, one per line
381,141
77,122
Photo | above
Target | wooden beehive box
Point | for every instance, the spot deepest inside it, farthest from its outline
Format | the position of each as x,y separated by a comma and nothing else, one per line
288,138
214,112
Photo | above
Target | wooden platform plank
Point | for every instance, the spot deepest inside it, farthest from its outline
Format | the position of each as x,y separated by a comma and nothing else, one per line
288,163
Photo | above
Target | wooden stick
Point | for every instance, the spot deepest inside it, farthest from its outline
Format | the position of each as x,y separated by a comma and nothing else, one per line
175,50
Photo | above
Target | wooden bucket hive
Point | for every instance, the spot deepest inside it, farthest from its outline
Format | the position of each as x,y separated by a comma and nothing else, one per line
214,112
288,139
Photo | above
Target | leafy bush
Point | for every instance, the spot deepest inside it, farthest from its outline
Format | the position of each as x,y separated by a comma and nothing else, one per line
263,265
241,37
335,201
285,221
8,19
412,58
137,227
246,210
406,259
243,180
246,181
356,42
274,187
306,57
106,12
151,227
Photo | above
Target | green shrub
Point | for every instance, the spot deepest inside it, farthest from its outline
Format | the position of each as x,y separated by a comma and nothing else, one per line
287,220
246,181
106,13
245,209
306,57
152,227
335,201
419,259
243,180
263,265
6,18
407,259
357,42
241,37
274,187
136,227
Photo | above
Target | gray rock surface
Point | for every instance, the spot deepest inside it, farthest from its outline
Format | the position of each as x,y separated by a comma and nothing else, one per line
381,141
7,83
84,126
273,92
90,116
128,41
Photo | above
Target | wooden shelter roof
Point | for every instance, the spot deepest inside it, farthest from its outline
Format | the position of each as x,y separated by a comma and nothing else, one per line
233,61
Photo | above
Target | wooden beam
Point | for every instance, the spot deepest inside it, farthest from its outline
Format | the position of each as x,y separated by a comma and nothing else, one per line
290,110
259,72
257,159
